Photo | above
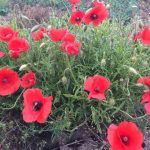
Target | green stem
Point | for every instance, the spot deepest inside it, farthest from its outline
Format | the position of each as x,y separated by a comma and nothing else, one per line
14,105
70,68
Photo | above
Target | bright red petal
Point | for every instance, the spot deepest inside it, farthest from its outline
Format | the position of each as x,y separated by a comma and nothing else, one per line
88,84
147,108
146,97
57,35
28,80
46,110
9,82
144,80
146,36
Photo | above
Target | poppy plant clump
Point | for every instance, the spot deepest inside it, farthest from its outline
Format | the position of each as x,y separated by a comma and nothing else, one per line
36,106
9,81
17,46
28,80
125,136
7,33
96,86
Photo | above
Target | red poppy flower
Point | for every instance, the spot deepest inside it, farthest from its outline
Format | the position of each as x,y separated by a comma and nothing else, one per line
144,80
9,82
76,17
71,48
74,2
57,35
28,80
39,35
96,86
69,38
146,101
125,136
17,46
2,54
145,37
96,15
7,33
36,106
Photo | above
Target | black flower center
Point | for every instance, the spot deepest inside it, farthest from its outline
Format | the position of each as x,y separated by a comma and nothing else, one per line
78,19
37,105
125,140
5,80
97,90
94,17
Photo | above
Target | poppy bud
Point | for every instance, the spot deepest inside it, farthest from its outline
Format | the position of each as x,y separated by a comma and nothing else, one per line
35,28
67,72
64,80
141,24
134,59
42,45
133,70
145,64
103,62
121,79
108,6
84,28
23,67
112,102
49,27
109,120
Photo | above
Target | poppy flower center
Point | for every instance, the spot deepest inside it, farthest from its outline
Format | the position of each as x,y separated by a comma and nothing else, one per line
30,80
37,105
78,19
97,90
5,80
94,17
125,140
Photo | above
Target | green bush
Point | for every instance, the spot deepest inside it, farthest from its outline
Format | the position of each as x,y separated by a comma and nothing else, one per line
106,50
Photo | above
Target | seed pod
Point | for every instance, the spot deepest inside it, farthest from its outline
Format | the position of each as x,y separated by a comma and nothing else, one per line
64,80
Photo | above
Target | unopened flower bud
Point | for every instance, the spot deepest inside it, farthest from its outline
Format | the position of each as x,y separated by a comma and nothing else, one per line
103,62
23,67
64,80
108,6
133,70
112,102
134,59
42,45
